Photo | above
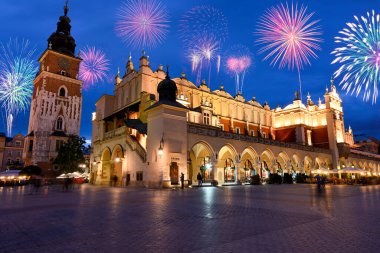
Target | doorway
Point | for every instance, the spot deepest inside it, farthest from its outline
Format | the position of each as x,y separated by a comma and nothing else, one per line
174,173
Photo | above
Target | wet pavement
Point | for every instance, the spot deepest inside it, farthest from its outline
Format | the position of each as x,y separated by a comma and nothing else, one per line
269,218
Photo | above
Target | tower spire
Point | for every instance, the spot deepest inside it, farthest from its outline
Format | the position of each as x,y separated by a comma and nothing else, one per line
66,8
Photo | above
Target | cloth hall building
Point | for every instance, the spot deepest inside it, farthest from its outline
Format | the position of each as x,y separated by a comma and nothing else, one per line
153,128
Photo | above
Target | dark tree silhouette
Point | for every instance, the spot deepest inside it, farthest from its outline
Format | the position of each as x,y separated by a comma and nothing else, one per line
70,155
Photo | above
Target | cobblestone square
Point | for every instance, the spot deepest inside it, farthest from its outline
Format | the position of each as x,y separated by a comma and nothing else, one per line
269,218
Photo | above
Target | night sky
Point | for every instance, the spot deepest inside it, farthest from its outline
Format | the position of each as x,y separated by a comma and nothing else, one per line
93,23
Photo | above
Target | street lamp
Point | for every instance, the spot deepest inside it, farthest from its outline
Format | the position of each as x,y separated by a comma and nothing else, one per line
161,148
117,158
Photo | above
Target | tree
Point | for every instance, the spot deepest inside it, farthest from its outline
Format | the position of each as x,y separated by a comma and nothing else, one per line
70,155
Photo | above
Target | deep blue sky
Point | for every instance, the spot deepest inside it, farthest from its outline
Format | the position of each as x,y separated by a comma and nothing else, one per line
93,24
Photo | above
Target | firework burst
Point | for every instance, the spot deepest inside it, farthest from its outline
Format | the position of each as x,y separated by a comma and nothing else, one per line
289,37
203,30
17,72
359,56
142,23
238,61
94,66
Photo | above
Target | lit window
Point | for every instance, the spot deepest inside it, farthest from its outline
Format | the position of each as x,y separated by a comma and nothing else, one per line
252,133
206,118
264,135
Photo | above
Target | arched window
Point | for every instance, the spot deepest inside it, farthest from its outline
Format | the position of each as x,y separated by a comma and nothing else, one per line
59,124
62,92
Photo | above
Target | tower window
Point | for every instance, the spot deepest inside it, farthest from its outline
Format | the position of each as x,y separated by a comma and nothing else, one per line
59,124
62,92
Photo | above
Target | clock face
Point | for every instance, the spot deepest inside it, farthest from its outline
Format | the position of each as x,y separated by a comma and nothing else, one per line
64,63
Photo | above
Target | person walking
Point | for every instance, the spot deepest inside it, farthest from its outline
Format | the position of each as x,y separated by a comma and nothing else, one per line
199,178
318,178
182,180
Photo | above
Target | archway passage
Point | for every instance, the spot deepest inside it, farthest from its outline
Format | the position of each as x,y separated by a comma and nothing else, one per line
249,171
229,171
267,159
247,168
116,176
104,175
201,162
226,163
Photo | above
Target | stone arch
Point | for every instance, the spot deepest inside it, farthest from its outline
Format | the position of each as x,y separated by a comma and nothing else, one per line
297,163
117,158
268,163
249,163
104,174
201,156
308,164
319,163
283,162
201,145
227,159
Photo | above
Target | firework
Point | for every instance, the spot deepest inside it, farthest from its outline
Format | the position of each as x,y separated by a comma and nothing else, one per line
94,66
203,22
359,56
289,36
17,72
142,23
238,62
203,30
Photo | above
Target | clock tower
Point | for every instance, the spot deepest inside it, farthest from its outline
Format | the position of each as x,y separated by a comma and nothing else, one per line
56,106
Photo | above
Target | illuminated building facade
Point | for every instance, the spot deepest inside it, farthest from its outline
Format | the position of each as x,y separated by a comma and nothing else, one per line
11,149
154,128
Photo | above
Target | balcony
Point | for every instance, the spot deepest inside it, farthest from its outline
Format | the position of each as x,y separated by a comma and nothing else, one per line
115,133
217,132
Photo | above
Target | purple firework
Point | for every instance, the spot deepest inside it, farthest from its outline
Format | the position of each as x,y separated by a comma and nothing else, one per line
289,37
142,23
238,62
94,66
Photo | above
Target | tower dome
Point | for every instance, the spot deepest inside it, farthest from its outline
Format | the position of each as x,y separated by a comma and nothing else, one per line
167,89
61,40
